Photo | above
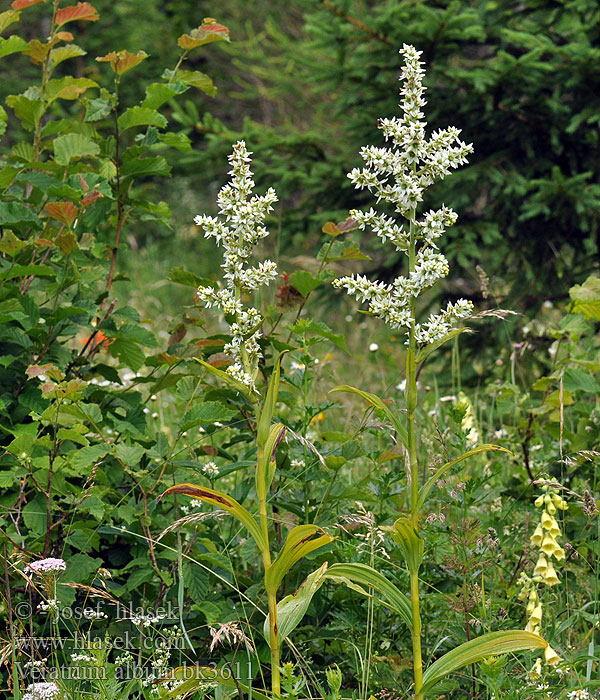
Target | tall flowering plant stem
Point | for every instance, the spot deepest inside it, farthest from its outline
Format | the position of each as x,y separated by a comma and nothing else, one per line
399,175
237,230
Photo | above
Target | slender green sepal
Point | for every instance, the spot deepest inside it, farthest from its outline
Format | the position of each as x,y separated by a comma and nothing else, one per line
302,540
425,351
380,405
226,503
412,546
491,644
430,483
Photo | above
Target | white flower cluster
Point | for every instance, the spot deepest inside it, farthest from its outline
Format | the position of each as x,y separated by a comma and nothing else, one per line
238,230
400,175
41,691
46,566
210,469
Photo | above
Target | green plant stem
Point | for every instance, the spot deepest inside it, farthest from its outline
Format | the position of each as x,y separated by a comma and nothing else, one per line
411,406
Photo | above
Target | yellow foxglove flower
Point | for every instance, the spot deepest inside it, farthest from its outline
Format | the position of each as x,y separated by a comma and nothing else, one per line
547,521
539,502
559,554
538,536
550,577
536,670
541,566
532,627
536,615
549,545
551,656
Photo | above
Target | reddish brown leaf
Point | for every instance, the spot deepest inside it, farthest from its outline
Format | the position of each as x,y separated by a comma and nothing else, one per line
82,11
91,197
349,225
204,34
83,182
22,4
331,229
64,36
65,212
122,61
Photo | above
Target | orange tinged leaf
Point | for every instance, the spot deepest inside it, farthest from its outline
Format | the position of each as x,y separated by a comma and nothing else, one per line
122,61
37,51
82,11
90,197
204,34
65,212
64,36
23,4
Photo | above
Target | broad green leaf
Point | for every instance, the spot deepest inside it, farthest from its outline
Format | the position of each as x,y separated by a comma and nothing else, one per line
585,298
29,112
491,644
194,78
97,109
228,379
411,544
13,44
180,141
304,282
196,677
425,490
207,412
424,352
88,456
129,352
141,116
10,244
68,88
138,167
355,573
300,541
292,608
376,402
7,18
226,503
71,146
17,214
159,93
62,53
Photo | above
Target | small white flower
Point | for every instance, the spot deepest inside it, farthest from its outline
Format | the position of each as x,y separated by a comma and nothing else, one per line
373,347
46,566
210,469
41,691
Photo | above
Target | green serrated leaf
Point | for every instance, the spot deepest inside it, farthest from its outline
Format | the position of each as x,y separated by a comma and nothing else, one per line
207,412
304,282
29,112
141,116
14,44
71,146
139,167
194,78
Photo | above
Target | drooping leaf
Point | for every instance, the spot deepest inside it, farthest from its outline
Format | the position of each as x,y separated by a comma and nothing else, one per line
224,502
141,116
122,61
83,11
138,167
65,212
7,18
300,541
180,141
204,34
23,4
67,88
304,282
71,146
193,78
14,44
425,490
62,53
585,298
491,644
29,112
17,214
228,379
376,402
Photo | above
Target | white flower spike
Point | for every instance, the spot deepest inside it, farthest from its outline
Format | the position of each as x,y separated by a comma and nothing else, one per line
238,230
399,175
